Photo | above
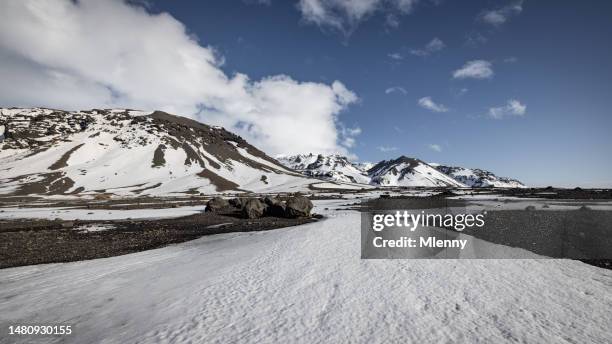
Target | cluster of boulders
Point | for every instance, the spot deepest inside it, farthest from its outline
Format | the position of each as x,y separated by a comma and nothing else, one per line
253,208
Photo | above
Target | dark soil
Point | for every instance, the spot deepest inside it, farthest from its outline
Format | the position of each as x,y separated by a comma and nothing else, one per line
28,242
63,161
575,234
556,193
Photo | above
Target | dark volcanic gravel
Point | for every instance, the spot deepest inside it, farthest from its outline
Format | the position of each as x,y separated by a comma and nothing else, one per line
27,242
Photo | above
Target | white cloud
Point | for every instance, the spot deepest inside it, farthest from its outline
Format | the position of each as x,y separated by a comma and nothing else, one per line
477,69
396,89
429,104
345,15
510,59
348,135
395,56
71,55
512,108
435,147
501,15
386,149
433,46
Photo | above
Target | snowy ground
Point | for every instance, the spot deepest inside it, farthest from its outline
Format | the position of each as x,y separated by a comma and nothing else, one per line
72,213
307,284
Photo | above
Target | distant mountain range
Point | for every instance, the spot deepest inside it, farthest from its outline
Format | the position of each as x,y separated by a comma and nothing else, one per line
403,171
130,153
477,178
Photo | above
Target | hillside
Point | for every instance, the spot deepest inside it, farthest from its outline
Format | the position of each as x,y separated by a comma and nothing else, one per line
126,152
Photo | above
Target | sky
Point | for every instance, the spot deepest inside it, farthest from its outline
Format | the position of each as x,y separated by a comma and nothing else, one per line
520,88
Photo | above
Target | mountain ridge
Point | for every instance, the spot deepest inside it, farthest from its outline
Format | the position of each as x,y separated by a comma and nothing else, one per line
478,178
413,172
331,167
128,152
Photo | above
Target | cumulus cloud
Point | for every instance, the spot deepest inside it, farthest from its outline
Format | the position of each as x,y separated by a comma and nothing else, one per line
513,107
433,46
386,149
396,89
435,147
477,69
345,15
71,55
501,15
429,104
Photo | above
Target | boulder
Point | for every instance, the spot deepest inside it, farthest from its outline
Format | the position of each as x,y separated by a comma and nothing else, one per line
276,207
216,204
298,206
237,202
253,209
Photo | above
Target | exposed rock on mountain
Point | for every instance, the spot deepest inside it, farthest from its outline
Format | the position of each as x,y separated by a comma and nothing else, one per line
477,178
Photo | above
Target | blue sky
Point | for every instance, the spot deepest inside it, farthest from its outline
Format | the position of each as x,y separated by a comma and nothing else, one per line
554,58
534,106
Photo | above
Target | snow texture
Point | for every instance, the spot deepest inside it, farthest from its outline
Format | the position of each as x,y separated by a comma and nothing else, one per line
307,284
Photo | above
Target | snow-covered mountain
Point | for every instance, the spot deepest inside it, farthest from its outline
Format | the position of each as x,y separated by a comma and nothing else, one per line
474,177
129,153
332,167
405,171
363,166
126,152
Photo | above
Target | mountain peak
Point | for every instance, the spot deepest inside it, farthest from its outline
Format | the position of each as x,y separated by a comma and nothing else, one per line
407,171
